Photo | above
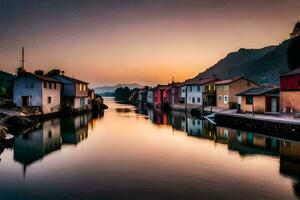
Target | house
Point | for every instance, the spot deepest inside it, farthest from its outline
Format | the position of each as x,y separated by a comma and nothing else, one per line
227,89
160,96
37,93
290,91
199,92
74,92
260,100
142,96
174,94
150,97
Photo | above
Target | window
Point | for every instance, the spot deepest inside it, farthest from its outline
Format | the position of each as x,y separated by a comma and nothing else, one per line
226,99
80,87
248,83
193,99
249,100
198,88
54,85
49,134
199,100
50,85
298,83
49,100
191,88
84,87
220,97
45,84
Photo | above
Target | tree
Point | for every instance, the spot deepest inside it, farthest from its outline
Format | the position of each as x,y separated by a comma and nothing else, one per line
293,53
296,30
122,94
293,50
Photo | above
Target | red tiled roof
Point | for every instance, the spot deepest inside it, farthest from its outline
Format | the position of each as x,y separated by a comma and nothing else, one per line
228,81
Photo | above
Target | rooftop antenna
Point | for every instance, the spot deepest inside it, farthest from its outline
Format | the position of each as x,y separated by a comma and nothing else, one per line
172,79
23,62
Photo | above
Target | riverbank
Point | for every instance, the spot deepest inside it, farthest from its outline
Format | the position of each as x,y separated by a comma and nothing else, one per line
15,122
281,125
275,125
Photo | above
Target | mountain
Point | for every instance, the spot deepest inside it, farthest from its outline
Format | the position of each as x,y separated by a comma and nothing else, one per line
260,65
111,89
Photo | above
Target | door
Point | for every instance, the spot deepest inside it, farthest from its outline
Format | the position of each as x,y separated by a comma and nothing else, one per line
274,104
25,101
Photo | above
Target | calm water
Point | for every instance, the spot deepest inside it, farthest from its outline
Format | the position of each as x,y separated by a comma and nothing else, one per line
142,154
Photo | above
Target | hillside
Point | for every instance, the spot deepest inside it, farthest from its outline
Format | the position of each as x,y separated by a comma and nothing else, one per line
111,89
260,65
5,83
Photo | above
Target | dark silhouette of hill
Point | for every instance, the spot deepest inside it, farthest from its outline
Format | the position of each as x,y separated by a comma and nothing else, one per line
260,65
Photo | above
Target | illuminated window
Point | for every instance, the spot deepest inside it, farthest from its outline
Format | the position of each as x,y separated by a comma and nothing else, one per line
84,87
80,87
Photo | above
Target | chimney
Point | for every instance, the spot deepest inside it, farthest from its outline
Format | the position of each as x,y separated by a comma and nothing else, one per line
39,72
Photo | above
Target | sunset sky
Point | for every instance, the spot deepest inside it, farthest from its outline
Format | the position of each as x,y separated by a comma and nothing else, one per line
144,41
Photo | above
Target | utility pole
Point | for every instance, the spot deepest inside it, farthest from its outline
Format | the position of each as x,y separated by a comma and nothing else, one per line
23,60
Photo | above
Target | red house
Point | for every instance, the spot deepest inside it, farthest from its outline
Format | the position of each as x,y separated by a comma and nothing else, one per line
160,96
290,91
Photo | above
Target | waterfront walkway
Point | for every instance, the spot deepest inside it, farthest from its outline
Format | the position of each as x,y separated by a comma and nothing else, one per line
181,107
281,118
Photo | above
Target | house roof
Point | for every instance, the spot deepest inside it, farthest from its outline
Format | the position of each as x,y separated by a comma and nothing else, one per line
258,91
162,87
293,72
202,81
73,79
40,77
228,81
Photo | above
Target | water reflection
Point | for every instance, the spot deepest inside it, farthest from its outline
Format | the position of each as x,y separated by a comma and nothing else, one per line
50,137
242,142
140,153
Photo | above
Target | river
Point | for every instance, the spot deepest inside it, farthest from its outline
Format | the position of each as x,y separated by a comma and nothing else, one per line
137,153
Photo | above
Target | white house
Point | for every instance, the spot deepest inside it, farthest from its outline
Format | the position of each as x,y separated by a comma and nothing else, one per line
33,92
150,96
199,91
